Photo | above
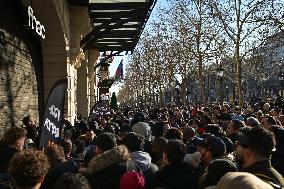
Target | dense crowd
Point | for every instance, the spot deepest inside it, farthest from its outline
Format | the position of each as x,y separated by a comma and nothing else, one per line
174,147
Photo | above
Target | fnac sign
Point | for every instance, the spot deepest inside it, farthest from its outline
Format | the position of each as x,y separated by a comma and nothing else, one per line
35,24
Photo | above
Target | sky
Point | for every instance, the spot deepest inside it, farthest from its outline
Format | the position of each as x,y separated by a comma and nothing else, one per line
117,59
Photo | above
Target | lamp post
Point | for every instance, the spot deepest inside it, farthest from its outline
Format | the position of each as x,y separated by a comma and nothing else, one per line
281,79
227,93
177,87
220,73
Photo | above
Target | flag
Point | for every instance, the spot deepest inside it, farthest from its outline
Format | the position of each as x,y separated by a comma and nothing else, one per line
53,115
119,70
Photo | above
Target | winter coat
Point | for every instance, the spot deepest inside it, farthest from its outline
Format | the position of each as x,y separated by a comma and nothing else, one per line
175,177
105,170
6,154
142,161
277,160
264,171
55,172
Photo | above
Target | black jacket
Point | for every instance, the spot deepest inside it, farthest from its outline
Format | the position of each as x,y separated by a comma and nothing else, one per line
175,177
266,172
277,159
6,154
55,172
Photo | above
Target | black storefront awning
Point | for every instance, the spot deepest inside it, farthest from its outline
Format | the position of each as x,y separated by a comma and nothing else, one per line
117,24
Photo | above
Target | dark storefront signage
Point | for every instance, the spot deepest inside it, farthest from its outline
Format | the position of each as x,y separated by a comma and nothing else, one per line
53,116
35,24
98,110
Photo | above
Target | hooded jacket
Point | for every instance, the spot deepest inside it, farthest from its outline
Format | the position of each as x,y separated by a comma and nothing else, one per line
105,170
142,161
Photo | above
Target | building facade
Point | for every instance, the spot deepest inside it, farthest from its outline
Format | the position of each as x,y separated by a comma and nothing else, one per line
40,44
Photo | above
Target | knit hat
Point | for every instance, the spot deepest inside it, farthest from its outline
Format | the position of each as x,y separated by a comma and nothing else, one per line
132,180
218,168
237,180
252,121
142,129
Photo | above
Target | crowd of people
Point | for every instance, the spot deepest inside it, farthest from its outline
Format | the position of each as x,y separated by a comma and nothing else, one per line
173,147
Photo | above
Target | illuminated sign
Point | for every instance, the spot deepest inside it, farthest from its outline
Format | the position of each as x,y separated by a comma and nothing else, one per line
35,24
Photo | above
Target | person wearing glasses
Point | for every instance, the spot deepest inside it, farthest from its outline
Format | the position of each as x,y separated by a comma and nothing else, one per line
253,153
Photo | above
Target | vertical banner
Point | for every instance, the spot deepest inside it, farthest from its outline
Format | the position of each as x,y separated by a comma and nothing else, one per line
53,115
99,109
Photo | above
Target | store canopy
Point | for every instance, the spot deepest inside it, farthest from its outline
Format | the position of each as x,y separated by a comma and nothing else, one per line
117,24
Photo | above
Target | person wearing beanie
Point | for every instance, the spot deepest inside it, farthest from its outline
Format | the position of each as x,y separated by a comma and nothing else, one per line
105,141
253,153
132,180
252,122
235,180
143,129
217,169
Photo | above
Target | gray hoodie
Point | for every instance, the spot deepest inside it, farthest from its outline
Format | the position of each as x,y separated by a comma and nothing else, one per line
142,160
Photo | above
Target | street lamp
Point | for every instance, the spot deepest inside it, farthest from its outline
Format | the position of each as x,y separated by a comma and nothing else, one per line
281,78
177,87
227,93
220,73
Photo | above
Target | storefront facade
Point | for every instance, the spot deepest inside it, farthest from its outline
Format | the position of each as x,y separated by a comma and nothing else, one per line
33,58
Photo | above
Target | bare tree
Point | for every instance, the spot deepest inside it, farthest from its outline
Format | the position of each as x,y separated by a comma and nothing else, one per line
247,24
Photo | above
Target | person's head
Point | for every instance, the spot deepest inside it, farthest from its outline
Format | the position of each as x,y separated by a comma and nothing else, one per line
237,110
188,134
90,135
158,129
267,121
254,144
55,154
213,129
207,111
225,118
173,133
28,168
266,106
104,142
237,180
158,147
72,181
67,147
211,148
279,135
144,130
15,137
252,122
174,152
275,112
27,121
218,168
233,126
133,142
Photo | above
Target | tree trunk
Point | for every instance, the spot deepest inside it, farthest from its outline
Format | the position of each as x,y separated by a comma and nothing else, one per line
239,82
201,82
